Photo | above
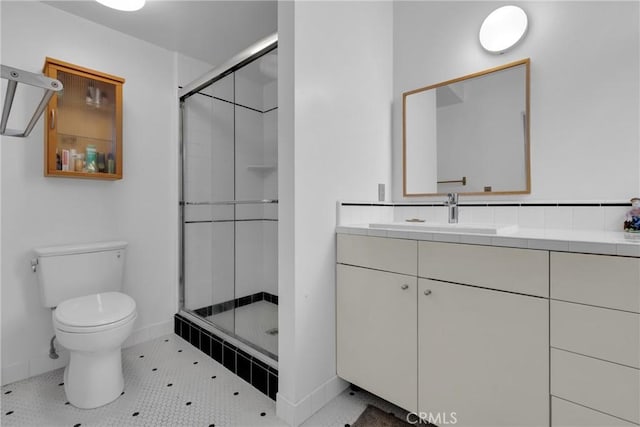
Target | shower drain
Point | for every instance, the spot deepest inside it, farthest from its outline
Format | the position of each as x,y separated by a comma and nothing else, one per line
273,331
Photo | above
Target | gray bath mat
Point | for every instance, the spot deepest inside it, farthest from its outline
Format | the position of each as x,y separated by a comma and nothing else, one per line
376,417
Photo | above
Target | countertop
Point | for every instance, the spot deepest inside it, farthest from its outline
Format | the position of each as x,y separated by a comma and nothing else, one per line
582,241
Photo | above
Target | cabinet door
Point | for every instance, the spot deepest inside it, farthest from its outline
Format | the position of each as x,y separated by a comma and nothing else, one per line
376,333
483,355
83,124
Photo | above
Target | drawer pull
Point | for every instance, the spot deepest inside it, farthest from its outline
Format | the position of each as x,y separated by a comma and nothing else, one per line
404,287
427,292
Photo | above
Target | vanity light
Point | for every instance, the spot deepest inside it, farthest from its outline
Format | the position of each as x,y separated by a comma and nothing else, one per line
503,29
126,5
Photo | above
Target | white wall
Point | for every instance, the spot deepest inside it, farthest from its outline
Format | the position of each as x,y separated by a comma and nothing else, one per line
335,65
141,208
584,86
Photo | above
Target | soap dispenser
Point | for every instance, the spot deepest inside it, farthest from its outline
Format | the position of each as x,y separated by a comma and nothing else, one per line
632,218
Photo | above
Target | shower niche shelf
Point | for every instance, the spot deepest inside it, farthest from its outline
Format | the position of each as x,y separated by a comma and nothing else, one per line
83,123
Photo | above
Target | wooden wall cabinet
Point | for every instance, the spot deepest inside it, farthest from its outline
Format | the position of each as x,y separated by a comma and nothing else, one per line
83,124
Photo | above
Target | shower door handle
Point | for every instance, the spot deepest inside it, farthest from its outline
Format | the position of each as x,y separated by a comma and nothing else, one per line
232,202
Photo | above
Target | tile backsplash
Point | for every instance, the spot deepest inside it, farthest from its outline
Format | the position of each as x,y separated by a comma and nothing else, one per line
596,216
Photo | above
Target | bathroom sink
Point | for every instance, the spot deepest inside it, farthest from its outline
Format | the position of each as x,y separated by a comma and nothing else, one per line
448,228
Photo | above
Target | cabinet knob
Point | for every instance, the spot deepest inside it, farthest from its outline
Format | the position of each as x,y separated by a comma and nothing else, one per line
404,287
427,292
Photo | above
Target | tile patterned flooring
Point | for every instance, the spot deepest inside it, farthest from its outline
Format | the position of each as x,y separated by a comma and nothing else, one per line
169,383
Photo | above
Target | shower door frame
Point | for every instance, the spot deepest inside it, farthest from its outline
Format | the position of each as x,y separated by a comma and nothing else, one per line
248,55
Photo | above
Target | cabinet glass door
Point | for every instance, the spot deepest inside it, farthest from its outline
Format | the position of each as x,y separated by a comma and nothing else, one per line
84,124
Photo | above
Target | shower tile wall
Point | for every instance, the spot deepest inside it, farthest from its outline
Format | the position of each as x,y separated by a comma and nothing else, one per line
256,179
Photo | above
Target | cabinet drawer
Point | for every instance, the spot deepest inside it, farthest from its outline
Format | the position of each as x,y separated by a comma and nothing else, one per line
602,280
567,414
599,332
381,253
603,386
376,328
524,271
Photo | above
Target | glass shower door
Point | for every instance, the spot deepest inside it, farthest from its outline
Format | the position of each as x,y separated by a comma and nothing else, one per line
230,215
208,187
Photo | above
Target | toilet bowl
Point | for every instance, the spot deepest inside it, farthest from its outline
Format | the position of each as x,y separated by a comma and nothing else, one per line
91,317
93,329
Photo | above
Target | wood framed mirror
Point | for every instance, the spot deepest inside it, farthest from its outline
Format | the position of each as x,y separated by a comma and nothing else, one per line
468,135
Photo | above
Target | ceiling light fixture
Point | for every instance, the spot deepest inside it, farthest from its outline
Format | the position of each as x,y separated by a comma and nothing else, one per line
503,29
126,5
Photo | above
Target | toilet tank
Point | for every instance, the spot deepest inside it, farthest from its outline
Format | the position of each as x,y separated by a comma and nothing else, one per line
71,271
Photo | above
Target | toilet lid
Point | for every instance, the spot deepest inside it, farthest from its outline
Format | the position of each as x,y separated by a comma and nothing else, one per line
95,310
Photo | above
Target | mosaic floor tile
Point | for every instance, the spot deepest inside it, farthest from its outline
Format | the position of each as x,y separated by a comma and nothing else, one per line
164,386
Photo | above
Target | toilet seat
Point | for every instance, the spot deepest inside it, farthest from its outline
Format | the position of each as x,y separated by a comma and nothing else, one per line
94,313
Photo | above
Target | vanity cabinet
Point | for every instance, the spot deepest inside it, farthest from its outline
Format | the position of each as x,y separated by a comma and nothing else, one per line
409,334
502,336
83,124
595,339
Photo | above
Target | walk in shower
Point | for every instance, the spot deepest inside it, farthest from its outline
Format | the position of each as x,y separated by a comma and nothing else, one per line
229,201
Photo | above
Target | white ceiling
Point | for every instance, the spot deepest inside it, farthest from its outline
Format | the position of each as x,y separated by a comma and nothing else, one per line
209,30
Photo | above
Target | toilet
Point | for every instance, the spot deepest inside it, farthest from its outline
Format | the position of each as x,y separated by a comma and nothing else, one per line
91,317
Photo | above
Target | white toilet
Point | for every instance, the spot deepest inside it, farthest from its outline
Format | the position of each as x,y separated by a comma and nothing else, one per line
92,319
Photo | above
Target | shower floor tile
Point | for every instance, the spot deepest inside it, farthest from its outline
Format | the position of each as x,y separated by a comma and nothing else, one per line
252,322
169,383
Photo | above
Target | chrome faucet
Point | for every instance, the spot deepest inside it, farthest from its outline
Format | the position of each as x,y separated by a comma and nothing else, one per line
452,203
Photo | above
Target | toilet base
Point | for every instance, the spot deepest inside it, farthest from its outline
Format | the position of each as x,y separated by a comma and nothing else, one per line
93,379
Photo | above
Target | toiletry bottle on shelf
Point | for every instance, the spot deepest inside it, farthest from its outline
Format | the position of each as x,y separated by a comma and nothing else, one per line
632,218
73,154
102,166
78,163
65,160
111,164
58,160
91,159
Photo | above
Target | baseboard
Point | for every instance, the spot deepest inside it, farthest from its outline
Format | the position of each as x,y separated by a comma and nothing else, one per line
148,333
295,414
42,363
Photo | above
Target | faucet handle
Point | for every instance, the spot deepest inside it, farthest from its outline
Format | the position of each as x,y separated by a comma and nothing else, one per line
452,198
